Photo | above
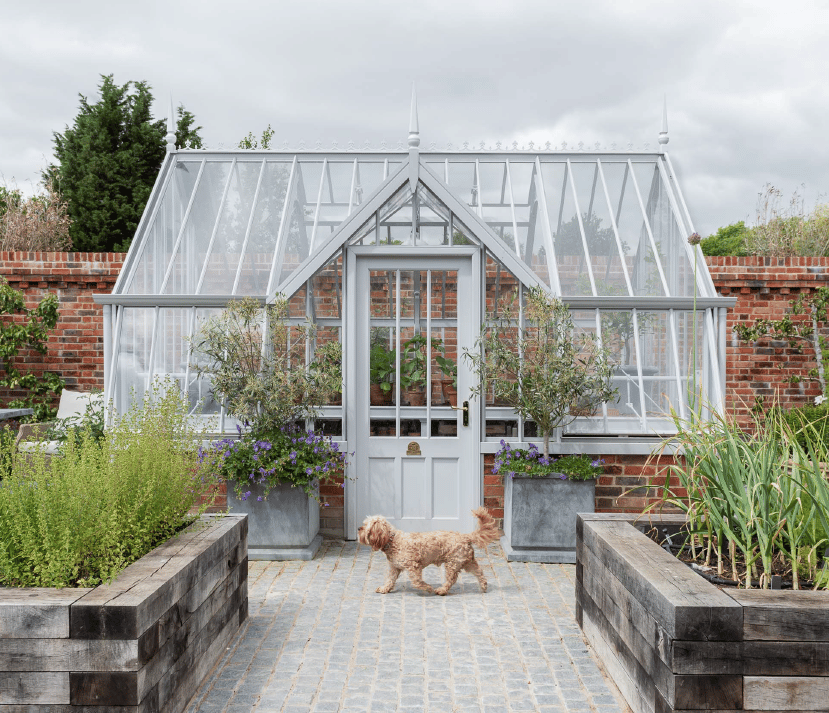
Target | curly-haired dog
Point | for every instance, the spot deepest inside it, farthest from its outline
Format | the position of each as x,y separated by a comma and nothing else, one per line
413,551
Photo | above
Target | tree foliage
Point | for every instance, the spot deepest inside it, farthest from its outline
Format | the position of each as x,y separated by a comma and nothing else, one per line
545,370
108,160
256,361
27,328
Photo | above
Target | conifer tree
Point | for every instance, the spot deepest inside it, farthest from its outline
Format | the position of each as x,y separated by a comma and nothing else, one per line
108,160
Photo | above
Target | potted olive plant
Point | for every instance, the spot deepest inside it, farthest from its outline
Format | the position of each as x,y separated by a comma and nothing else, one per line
256,362
549,374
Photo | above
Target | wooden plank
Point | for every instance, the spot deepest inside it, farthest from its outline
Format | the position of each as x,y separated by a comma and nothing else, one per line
113,688
125,609
631,623
177,615
708,692
176,699
36,612
68,655
783,615
34,687
786,693
637,673
684,604
636,699
223,601
752,658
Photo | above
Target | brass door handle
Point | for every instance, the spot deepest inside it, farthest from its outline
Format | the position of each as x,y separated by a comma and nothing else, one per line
465,409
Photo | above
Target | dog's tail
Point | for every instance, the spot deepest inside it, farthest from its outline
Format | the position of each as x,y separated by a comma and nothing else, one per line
487,528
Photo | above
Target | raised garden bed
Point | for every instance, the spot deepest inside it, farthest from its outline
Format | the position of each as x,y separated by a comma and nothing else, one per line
143,643
672,641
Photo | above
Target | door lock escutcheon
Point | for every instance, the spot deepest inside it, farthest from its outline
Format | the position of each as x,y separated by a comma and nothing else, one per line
465,409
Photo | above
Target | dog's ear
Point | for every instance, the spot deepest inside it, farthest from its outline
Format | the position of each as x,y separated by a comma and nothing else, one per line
378,534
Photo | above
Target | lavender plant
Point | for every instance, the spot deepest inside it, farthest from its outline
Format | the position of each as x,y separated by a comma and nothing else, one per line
531,462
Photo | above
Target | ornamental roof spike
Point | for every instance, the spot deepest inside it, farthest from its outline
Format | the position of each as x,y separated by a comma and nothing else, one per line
414,142
170,138
663,135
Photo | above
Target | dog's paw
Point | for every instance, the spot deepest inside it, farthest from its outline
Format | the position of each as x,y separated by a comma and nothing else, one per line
383,590
483,587
442,591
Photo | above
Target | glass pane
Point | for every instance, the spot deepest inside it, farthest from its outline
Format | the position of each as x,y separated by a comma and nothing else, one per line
527,216
159,240
641,264
220,271
495,204
327,290
462,182
368,180
134,346
256,268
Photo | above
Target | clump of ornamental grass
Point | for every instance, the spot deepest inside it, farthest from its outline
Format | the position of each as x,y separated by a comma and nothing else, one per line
79,518
759,500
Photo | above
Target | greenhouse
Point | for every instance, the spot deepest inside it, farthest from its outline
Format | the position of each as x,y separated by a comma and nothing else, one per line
402,253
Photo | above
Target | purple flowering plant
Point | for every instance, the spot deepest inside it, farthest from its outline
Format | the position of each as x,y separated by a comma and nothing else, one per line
531,462
286,454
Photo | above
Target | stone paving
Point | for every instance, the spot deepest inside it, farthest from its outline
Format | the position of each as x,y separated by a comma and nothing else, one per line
319,640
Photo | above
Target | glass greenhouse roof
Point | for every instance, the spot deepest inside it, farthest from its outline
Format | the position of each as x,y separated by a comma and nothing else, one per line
250,223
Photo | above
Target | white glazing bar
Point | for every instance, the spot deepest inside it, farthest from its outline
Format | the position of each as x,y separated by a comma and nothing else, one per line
153,342
243,250
587,260
181,230
428,349
714,360
647,224
280,236
397,352
385,169
482,305
353,188
323,175
209,251
680,391
107,353
679,193
522,324
640,381
690,250
479,208
600,340
723,346
110,378
508,188
552,265
614,224
190,329
446,171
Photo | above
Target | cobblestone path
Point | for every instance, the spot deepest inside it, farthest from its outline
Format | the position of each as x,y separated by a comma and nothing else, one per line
319,640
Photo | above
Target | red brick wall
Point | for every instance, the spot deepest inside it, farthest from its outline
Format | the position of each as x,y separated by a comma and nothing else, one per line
763,287
76,346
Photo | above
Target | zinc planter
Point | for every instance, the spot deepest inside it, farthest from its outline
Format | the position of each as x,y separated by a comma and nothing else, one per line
283,527
143,643
540,517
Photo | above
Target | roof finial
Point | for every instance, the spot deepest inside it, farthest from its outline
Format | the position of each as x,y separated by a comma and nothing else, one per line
414,143
171,132
663,135
414,128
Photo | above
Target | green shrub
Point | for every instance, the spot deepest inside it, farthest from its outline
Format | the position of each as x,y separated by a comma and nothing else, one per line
80,518
728,240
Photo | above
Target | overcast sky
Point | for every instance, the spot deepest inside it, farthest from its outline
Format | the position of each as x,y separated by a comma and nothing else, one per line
746,82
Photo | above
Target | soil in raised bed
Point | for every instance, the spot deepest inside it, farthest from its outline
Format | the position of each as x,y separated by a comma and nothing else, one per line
781,574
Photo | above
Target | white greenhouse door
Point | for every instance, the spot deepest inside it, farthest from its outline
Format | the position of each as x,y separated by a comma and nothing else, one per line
417,453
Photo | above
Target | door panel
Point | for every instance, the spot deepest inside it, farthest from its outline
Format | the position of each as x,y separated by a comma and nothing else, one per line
417,463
